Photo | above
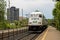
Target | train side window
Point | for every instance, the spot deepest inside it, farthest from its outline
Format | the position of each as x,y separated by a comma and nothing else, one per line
40,15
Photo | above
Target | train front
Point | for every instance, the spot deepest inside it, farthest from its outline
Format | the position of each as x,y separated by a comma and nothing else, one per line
35,21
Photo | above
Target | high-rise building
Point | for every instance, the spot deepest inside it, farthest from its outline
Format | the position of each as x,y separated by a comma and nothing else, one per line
12,14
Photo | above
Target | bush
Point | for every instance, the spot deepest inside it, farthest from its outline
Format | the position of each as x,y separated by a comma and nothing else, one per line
17,24
6,25
23,23
3,25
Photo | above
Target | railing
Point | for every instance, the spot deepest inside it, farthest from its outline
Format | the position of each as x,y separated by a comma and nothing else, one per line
11,34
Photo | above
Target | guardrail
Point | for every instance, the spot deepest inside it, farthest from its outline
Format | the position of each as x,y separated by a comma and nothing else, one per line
11,33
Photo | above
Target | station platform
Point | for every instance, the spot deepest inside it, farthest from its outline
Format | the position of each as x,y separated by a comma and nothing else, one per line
49,34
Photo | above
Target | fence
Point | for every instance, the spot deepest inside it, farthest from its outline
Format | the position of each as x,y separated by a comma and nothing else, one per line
12,34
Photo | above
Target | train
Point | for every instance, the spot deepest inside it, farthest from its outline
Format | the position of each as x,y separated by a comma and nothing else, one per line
37,21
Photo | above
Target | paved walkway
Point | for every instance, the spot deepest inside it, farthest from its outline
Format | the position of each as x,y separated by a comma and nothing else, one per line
50,34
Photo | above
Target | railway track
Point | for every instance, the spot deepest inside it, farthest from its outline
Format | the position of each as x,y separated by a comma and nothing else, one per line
28,36
16,37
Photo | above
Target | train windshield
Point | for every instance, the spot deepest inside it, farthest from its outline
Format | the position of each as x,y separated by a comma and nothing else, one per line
36,15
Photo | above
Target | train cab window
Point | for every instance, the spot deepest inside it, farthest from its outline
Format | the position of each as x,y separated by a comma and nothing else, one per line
40,15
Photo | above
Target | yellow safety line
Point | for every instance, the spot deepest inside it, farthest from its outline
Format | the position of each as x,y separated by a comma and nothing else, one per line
45,35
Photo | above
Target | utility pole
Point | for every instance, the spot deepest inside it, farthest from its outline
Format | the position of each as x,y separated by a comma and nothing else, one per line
9,13
8,6
22,14
9,3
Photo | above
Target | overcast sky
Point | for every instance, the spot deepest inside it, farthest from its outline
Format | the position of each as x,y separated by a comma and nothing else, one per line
45,6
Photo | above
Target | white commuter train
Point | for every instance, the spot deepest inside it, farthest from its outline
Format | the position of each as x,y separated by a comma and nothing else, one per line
37,21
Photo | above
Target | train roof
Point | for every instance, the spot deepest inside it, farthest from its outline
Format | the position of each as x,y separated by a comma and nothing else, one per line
36,13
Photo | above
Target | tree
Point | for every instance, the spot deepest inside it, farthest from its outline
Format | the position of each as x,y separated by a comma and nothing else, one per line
57,0
56,14
2,9
2,12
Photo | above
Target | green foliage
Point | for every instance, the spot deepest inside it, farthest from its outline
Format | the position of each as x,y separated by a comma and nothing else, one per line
56,14
2,12
51,22
57,0
16,24
58,5
23,23
2,9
